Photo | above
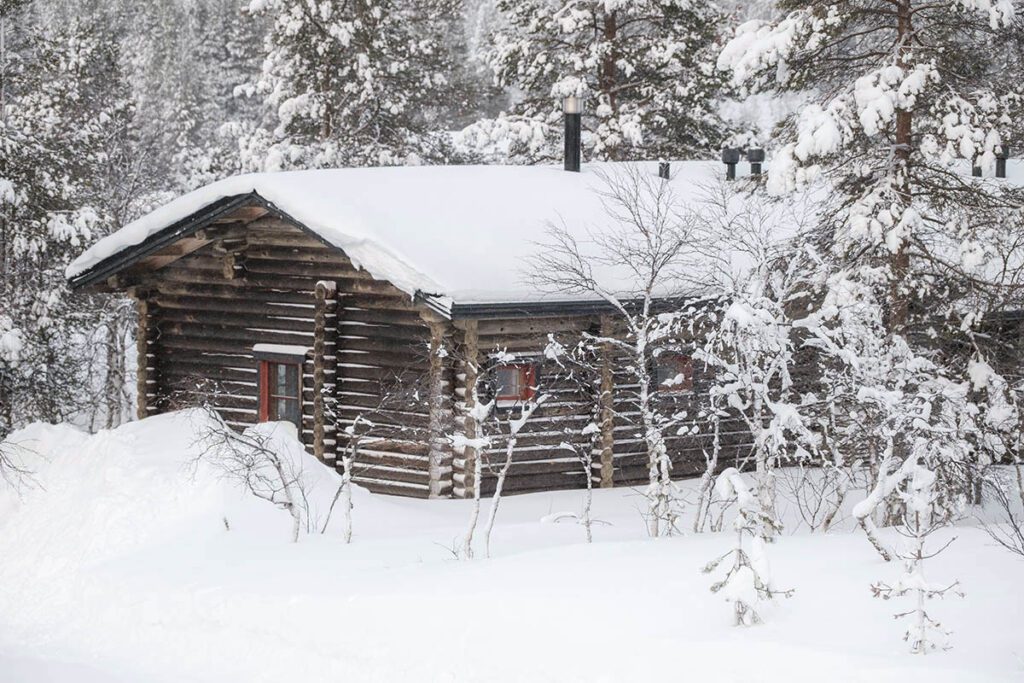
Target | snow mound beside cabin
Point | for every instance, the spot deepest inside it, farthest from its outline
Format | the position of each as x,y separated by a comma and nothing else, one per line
92,498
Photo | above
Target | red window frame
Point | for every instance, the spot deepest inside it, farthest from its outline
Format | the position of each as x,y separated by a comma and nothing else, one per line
527,382
265,369
681,364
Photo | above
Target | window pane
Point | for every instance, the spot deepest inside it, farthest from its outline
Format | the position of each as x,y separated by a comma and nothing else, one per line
286,409
280,384
284,380
507,381
292,380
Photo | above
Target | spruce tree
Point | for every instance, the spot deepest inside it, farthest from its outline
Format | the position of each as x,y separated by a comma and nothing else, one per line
644,69
55,118
348,83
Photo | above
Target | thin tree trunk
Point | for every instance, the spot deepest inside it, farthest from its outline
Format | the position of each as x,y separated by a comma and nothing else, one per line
589,499
707,480
474,516
492,513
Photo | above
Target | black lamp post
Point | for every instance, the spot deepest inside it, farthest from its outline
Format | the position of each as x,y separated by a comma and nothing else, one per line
573,108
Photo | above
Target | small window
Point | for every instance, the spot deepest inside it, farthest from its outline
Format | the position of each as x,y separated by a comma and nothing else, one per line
515,382
673,372
281,392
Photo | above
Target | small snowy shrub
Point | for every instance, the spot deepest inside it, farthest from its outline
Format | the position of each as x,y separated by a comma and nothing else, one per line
924,633
747,583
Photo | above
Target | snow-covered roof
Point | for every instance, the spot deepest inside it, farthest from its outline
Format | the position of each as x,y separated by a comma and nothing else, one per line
463,233
459,231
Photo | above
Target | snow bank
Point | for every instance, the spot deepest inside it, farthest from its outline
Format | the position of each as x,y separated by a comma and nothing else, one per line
116,566
92,498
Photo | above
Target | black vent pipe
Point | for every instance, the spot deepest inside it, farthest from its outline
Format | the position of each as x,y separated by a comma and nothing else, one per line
573,108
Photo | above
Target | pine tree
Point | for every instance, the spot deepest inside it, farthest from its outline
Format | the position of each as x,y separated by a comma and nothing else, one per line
643,67
915,253
55,118
348,82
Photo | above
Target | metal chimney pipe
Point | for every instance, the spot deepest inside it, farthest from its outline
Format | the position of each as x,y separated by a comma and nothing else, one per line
756,157
730,157
573,108
1002,154
663,170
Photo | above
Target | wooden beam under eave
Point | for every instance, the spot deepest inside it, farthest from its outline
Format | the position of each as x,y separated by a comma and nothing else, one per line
245,214
170,254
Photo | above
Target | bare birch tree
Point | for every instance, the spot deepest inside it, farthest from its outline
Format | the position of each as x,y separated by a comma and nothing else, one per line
495,424
635,267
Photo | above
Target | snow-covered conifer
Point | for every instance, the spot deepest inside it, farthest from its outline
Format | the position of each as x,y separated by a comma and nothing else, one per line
644,69
924,633
347,83
916,253
55,117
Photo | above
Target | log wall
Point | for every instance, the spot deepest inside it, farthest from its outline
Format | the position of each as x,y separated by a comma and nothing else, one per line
386,374
539,463
204,312
607,399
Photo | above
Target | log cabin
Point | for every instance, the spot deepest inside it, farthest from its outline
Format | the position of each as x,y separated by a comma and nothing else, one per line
338,298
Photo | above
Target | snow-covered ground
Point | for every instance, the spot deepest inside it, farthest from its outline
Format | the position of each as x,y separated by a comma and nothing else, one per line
118,566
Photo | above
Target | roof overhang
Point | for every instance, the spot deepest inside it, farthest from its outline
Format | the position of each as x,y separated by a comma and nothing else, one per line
159,249
182,229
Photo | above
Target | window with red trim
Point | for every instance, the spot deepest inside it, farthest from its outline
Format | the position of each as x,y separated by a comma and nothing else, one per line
515,382
281,392
673,372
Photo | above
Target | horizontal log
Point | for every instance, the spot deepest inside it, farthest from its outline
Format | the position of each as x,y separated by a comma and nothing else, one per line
400,422
384,317
531,327
402,461
415,338
382,344
213,346
176,368
372,443
398,362
229,291
520,468
250,335
380,302
370,470
237,305
241,321
391,489
297,254
534,482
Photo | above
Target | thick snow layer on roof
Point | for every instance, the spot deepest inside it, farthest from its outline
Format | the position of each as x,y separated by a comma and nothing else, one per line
464,233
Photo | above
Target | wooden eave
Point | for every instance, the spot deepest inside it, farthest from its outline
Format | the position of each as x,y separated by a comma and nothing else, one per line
173,242
183,238
199,229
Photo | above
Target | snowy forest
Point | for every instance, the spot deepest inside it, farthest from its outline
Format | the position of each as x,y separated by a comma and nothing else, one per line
874,359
